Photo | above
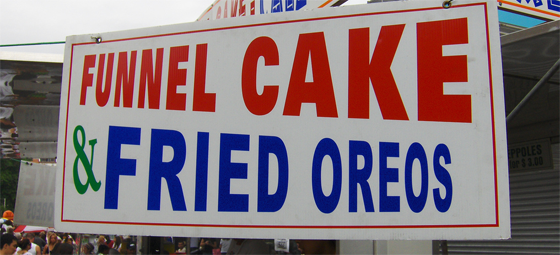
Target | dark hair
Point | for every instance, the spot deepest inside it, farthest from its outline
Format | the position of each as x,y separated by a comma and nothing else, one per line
103,249
7,239
24,243
88,247
62,249
29,235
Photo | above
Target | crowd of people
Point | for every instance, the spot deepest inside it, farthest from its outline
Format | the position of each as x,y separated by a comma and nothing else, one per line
55,243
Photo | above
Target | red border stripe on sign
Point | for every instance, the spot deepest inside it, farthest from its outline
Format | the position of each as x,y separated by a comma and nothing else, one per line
481,225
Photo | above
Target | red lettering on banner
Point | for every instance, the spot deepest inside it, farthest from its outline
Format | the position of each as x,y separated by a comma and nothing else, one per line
225,10
102,93
87,77
259,104
202,101
151,77
361,71
312,47
241,8
233,8
177,77
253,7
125,79
435,69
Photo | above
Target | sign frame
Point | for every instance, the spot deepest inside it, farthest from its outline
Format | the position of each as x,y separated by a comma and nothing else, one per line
498,228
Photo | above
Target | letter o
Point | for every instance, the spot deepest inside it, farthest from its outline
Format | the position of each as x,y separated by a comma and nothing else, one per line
416,203
326,147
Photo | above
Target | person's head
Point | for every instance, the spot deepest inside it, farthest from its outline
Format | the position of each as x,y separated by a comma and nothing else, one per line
103,249
131,248
42,234
29,236
8,215
101,239
87,248
62,249
118,240
24,244
113,252
8,243
52,238
181,245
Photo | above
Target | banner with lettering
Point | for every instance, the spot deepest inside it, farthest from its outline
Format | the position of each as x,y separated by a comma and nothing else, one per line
380,121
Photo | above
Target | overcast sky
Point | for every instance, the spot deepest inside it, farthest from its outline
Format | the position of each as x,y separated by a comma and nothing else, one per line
32,21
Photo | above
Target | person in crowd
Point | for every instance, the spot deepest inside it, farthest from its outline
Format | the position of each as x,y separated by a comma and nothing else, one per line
126,240
52,240
103,249
87,249
224,245
6,222
131,249
43,236
113,252
35,250
23,247
181,248
108,241
248,246
17,235
101,240
317,246
8,243
63,238
118,242
8,215
62,249
38,241
194,244
70,241
207,245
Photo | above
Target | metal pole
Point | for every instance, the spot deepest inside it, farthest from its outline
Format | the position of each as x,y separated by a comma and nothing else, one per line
539,84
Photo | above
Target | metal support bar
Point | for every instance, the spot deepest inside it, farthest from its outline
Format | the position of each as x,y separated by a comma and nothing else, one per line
539,84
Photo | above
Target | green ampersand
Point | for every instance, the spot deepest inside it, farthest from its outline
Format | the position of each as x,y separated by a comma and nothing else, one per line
88,165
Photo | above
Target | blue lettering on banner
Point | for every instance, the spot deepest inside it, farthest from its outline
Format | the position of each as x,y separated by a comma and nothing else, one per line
201,188
360,176
228,202
117,166
272,202
536,2
166,170
388,203
277,6
416,203
554,5
40,210
442,204
326,147
272,146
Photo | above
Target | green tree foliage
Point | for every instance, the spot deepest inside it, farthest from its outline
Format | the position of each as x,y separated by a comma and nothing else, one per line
9,173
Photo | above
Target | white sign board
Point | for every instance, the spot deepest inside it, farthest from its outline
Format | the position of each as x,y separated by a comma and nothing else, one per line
35,195
546,9
222,9
360,122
